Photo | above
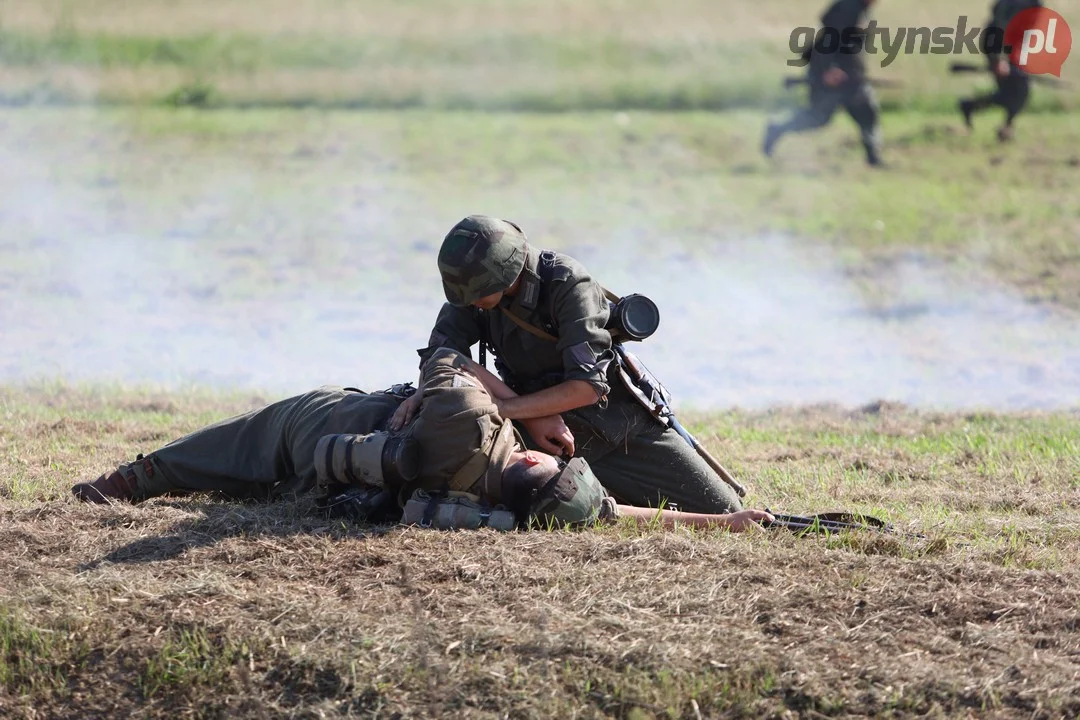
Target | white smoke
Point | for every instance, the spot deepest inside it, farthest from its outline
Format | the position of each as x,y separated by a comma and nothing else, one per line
127,258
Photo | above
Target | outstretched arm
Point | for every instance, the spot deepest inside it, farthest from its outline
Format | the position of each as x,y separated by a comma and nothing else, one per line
736,522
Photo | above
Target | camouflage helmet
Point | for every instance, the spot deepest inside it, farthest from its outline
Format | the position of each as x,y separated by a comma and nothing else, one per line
573,498
480,256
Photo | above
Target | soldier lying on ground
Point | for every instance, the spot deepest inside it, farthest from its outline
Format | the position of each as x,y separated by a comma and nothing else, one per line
457,443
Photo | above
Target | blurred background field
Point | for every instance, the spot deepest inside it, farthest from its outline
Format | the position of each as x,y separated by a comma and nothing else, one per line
476,54
282,249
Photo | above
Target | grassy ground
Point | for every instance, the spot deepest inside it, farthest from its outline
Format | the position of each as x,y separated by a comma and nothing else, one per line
485,54
198,608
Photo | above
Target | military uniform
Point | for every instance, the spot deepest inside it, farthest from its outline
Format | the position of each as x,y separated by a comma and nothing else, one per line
1013,89
269,453
465,444
265,454
640,461
854,95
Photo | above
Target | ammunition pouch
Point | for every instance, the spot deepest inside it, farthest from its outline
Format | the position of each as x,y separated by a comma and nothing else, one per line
359,504
455,511
377,459
642,384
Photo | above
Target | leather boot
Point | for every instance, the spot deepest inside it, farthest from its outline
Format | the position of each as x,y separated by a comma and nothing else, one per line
119,485
967,109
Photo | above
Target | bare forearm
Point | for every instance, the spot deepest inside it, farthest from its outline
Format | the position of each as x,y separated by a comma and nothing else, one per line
491,382
567,395
669,519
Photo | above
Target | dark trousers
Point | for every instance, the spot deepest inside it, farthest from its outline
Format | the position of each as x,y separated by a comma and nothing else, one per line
857,98
641,462
264,454
1012,94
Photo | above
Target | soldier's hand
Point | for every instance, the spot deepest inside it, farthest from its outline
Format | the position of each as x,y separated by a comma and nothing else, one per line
551,435
748,520
835,77
405,411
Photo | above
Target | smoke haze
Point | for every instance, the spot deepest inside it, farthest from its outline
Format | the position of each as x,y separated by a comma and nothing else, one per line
172,264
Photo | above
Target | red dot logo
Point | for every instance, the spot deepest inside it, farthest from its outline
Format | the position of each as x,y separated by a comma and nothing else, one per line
1039,41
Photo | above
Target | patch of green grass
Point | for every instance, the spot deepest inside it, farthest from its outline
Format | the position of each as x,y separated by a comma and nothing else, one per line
190,659
37,660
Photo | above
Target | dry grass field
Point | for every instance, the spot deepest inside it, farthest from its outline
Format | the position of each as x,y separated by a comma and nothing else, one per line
139,240
202,608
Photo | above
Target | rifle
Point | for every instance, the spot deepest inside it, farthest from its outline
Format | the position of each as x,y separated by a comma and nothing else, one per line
831,523
959,67
790,82
656,398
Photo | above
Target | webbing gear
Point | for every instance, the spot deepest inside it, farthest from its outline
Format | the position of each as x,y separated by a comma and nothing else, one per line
375,459
633,317
477,467
530,328
648,391
403,391
455,511
361,504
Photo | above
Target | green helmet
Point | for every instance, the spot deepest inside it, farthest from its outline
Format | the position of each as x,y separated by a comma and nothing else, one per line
574,498
480,256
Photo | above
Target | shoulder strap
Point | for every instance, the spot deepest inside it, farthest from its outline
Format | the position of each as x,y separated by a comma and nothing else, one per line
474,467
545,269
530,328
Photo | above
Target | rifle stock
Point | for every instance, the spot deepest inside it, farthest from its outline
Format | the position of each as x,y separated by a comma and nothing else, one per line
790,82
961,67
831,523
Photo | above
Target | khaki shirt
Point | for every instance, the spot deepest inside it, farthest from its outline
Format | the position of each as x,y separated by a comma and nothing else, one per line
572,307
465,444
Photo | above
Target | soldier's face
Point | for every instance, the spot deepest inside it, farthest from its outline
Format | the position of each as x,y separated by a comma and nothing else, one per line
488,302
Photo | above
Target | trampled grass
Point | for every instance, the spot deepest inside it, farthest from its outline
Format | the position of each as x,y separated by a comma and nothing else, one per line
491,55
202,608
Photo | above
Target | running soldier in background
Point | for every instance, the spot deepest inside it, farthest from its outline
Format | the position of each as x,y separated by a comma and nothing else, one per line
1013,84
837,78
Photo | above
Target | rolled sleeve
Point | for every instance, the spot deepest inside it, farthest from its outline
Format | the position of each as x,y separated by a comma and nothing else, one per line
455,328
581,312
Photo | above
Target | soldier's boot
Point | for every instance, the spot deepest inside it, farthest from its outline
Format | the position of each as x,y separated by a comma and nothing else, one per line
773,133
967,109
1005,133
110,487
872,144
